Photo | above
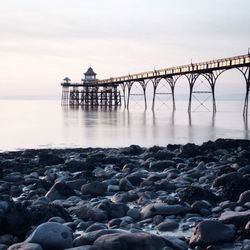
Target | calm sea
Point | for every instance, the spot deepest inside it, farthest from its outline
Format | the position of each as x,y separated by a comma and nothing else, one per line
42,124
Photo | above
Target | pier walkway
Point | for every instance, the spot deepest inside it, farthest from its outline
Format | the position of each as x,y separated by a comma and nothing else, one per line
210,70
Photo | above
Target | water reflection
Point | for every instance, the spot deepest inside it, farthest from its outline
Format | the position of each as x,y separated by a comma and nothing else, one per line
37,124
109,126
245,120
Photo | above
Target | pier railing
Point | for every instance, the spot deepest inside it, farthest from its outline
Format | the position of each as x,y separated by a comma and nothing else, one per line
209,70
224,63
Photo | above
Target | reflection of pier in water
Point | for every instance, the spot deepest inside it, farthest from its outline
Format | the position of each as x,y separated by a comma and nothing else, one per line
93,92
120,126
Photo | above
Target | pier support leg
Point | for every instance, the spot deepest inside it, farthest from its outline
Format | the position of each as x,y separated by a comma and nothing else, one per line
212,77
123,86
246,73
172,81
144,87
247,78
213,97
155,82
129,85
191,80
65,96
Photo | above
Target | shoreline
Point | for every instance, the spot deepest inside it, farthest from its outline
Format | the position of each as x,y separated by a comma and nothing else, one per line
173,197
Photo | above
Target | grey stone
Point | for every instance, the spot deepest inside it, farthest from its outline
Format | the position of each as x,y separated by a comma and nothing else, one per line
244,197
89,212
60,191
211,232
89,238
162,209
94,188
167,225
52,235
128,241
161,165
239,219
25,246
134,213
174,242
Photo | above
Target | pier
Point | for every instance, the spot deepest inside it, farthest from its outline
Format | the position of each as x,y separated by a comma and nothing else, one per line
117,90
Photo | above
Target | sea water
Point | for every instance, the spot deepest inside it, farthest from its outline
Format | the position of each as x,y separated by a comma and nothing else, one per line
43,124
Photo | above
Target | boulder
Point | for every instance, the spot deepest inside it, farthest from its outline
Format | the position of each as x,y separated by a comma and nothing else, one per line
174,242
239,219
90,237
86,247
167,225
211,232
128,241
153,209
244,197
113,210
125,184
25,246
52,235
195,193
60,191
161,165
94,188
233,184
88,212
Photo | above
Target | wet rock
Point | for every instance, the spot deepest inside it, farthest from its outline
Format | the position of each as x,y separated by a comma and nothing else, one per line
124,197
233,184
127,241
52,235
161,165
247,229
174,242
42,212
202,207
89,238
189,150
3,247
211,232
244,197
15,220
246,245
153,209
8,239
133,150
195,193
244,170
95,227
89,212
86,247
60,191
136,178
113,210
75,165
94,188
125,185
239,219
48,158
167,225
76,184
134,213
25,246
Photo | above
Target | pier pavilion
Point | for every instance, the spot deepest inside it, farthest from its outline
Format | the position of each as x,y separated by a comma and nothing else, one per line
90,92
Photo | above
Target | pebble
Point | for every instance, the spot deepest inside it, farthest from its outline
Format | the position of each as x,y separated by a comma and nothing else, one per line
100,196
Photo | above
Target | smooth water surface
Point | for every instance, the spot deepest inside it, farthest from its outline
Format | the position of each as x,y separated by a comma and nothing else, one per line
41,124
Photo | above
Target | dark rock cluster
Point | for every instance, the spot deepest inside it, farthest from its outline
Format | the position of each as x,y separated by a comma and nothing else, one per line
175,197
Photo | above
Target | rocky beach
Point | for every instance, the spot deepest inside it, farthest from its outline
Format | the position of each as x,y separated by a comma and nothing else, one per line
175,197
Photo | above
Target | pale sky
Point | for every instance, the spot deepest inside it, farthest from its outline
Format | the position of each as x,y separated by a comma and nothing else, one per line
42,41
